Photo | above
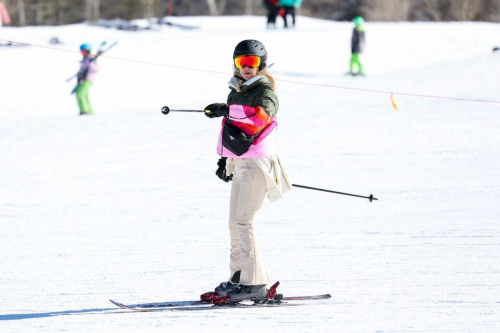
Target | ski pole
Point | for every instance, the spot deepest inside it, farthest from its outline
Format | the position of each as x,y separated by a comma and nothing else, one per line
165,110
371,198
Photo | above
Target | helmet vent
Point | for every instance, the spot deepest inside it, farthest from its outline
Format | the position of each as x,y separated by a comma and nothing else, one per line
250,47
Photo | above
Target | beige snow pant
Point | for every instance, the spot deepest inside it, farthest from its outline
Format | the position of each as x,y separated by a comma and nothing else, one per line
248,192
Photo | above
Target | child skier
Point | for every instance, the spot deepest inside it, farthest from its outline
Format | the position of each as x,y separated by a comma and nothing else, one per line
85,78
248,149
357,45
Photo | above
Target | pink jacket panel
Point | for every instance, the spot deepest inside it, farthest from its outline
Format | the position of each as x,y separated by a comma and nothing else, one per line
4,15
90,67
92,70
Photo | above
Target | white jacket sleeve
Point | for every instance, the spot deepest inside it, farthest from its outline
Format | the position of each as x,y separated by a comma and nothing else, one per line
277,180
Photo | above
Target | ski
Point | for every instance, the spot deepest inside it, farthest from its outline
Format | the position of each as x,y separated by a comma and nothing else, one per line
12,44
181,26
201,305
307,298
98,54
160,305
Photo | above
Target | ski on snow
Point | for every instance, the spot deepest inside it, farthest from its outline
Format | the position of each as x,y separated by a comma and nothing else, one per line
201,305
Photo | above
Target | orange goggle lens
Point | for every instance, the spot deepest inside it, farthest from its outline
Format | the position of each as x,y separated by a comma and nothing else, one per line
250,61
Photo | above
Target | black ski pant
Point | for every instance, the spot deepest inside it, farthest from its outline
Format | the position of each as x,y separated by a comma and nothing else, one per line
272,11
291,11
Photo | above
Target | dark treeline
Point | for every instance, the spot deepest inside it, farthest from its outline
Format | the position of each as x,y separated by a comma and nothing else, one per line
56,12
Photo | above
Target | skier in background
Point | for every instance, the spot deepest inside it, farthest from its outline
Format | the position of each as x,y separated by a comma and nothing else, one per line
85,78
357,45
248,148
289,8
4,15
272,12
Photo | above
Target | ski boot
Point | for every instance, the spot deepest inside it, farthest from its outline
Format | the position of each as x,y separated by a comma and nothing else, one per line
222,289
258,293
242,293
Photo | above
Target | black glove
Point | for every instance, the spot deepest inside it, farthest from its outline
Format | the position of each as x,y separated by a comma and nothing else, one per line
221,171
217,110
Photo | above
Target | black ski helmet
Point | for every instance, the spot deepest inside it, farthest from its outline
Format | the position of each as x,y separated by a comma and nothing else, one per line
252,47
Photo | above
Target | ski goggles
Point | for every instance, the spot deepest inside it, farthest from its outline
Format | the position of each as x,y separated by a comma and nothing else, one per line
251,61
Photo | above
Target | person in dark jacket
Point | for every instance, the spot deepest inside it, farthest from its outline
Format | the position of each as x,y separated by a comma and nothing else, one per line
272,12
357,45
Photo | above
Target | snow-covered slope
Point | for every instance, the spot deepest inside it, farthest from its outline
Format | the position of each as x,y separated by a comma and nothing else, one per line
125,204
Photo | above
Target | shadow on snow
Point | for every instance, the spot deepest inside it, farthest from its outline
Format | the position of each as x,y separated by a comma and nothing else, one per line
20,316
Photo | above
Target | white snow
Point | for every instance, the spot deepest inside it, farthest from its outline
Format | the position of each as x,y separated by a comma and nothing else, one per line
125,205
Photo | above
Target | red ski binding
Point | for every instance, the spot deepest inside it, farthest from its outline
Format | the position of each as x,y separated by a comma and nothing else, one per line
273,291
208,296
221,300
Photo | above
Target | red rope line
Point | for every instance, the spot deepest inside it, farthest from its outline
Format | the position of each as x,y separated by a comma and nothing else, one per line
115,58
288,81
390,92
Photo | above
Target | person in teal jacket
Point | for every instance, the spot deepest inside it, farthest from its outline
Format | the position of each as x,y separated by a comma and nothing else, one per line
357,45
289,7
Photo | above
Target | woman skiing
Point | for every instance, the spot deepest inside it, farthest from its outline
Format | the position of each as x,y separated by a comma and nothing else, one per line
85,78
248,149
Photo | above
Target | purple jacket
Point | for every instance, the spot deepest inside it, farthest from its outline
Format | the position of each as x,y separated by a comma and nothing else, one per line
88,68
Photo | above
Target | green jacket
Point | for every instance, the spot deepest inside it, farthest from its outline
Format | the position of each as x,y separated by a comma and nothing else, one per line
253,93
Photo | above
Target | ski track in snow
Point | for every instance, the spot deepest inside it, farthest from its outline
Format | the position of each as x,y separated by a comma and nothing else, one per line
124,205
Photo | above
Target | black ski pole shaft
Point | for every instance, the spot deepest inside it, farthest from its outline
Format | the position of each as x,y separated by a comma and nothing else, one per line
371,198
165,110
100,52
